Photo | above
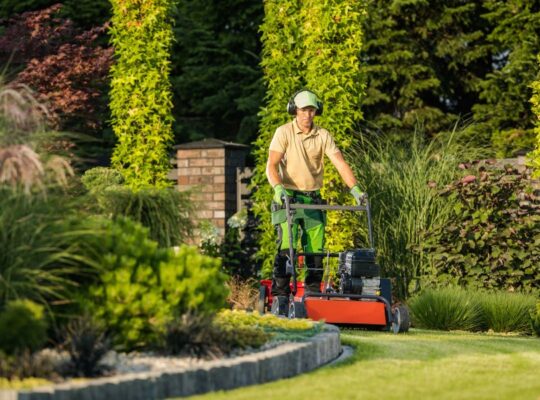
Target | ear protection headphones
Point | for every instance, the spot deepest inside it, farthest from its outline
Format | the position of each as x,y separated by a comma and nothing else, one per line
291,106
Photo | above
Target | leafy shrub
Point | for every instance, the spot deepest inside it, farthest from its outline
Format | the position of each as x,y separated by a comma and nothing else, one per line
22,327
142,287
491,239
535,323
98,179
449,308
513,142
237,250
507,312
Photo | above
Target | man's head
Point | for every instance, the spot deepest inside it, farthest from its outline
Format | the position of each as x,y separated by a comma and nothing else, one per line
302,99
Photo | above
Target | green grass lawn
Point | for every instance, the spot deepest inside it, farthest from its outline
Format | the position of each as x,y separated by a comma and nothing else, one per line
418,365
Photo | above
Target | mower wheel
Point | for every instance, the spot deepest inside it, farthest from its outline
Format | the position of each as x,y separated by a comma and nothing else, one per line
262,301
401,321
280,306
297,309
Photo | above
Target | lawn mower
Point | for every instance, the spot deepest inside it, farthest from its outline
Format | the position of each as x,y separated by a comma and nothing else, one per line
362,297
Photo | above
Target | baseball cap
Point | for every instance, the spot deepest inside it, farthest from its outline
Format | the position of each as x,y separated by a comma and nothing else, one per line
306,99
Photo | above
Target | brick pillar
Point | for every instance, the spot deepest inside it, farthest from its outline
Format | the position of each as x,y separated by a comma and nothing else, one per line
208,167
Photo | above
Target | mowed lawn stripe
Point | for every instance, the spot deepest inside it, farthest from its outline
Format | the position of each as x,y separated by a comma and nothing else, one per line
418,365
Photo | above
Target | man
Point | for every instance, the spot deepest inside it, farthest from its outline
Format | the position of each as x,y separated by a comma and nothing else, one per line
295,166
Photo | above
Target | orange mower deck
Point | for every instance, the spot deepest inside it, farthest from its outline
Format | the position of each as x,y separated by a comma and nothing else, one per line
345,311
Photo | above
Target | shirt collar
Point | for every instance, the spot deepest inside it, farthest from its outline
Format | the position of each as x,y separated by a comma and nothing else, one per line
314,129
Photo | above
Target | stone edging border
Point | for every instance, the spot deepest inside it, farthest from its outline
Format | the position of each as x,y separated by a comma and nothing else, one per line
283,361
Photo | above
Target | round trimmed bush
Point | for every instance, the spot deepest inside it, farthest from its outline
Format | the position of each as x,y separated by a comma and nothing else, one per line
22,327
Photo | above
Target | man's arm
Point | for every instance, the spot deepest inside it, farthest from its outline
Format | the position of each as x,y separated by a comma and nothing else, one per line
272,167
344,169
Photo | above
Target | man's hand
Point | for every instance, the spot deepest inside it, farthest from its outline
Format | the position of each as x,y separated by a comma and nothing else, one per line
358,195
279,192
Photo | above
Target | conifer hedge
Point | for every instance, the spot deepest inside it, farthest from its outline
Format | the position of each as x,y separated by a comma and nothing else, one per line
314,44
141,105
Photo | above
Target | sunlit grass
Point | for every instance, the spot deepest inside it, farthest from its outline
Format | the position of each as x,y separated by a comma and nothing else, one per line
419,365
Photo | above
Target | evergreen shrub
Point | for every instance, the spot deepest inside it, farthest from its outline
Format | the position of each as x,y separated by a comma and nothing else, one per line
142,287
492,238
22,327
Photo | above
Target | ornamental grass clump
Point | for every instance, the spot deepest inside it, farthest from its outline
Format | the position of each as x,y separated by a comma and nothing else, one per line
450,308
166,212
507,312
402,182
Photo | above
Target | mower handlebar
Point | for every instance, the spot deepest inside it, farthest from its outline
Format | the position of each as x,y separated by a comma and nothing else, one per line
296,206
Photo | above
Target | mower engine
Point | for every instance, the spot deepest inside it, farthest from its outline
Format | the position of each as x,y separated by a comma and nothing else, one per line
359,274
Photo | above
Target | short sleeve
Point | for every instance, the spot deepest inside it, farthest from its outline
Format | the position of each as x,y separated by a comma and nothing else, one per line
330,147
279,141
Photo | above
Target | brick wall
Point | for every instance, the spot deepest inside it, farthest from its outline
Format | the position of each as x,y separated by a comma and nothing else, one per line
208,169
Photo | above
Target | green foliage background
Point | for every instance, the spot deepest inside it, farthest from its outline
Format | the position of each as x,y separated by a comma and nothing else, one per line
535,100
141,98
216,76
309,44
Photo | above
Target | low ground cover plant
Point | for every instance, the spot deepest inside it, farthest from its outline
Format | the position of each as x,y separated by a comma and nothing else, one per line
455,308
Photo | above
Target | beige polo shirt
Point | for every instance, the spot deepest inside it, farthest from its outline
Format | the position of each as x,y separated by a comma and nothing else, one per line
302,165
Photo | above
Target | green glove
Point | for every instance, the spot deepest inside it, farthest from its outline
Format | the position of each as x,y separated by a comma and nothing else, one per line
358,195
279,192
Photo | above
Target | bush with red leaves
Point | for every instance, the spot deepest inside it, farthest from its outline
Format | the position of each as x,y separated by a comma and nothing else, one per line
67,67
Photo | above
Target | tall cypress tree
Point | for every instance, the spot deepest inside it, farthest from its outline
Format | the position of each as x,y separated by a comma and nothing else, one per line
314,44
141,34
